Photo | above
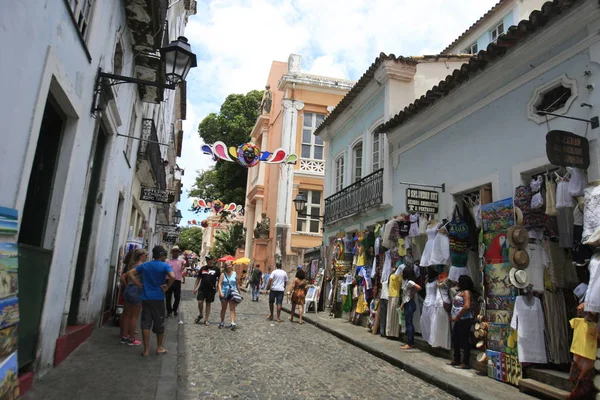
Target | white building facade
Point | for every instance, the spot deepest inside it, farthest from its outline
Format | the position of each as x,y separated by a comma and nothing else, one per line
73,181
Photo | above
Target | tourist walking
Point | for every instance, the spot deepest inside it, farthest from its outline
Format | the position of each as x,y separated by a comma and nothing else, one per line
132,296
409,306
153,296
256,282
178,267
206,288
276,287
462,319
265,278
228,286
298,295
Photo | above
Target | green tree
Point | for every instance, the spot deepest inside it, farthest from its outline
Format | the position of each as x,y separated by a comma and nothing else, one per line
233,124
227,241
190,238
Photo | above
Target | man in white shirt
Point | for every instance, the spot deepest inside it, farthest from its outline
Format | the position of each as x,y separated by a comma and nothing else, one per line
276,288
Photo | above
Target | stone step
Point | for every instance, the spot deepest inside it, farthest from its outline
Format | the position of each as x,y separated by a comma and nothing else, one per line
558,379
539,388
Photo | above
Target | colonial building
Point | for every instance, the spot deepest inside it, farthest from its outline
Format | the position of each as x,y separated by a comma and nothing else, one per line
299,102
76,150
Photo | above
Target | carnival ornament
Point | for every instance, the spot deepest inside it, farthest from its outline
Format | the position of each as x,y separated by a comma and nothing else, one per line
204,223
217,206
248,154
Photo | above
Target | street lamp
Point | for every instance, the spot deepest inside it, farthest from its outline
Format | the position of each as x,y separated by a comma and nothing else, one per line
177,217
300,205
176,58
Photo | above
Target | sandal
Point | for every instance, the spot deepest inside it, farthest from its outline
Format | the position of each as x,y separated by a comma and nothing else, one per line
300,323
269,318
453,364
406,347
198,319
161,353
206,323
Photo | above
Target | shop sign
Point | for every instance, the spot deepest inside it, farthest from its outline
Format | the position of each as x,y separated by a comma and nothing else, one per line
567,149
422,201
157,195
166,228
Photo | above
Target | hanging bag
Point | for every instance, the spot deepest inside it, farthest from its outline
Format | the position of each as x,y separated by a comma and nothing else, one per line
232,294
458,232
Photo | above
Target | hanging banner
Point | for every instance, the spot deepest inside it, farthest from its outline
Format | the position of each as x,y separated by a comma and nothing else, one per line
166,228
157,195
422,201
567,149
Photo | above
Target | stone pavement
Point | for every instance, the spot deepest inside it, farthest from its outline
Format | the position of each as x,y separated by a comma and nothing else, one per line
267,360
463,384
103,369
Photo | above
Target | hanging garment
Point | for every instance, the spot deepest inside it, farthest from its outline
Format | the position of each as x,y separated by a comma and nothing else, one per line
565,227
458,233
533,219
550,197
387,231
387,266
581,252
528,320
563,198
557,330
418,244
403,227
536,184
392,328
395,285
578,181
414,225
440,336
538,263
477,215
423,222
457,272
428,314
592,295
591,212
441,250
427,254
585,338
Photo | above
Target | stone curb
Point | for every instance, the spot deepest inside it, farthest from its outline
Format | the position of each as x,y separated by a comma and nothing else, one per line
167,382
419,372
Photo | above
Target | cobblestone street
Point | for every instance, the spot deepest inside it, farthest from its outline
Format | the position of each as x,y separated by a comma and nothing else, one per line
267,360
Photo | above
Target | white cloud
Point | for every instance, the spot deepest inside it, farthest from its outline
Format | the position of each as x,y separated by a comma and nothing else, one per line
237,40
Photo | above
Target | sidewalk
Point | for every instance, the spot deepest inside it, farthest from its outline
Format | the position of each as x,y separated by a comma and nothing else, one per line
434,370
103,369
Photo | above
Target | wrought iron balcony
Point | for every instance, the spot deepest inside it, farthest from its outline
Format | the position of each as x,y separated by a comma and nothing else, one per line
150,152
360,196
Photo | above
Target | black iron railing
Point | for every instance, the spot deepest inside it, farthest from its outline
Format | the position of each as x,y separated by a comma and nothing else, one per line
150,151
360,196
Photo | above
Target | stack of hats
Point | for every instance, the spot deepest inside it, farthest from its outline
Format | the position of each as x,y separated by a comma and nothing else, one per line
480,332
518,237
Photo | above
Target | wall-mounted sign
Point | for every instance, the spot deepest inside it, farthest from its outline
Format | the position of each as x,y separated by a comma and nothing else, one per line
422,201
157,195
567,149
166,228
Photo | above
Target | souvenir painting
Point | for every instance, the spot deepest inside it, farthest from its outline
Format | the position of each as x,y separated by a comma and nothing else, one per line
8,221
505,303
9,375
499,336
498,216
9,265
494,364
8,340
497,279
9,312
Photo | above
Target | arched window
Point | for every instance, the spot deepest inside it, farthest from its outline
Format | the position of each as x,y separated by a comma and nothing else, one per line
357,157
377,151
339,173
118,59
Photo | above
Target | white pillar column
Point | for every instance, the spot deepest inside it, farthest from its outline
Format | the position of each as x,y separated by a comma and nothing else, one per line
264,144
250,224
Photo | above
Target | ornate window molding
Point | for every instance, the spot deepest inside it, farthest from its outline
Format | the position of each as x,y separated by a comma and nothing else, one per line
312,166
538,98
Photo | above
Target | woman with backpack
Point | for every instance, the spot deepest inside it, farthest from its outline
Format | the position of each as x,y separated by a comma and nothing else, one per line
228,292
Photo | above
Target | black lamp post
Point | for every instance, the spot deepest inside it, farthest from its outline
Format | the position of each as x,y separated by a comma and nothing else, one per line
177,59
177,217
300,205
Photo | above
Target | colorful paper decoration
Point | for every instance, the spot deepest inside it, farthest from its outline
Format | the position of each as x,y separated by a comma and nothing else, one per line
217,206
248,154
204,223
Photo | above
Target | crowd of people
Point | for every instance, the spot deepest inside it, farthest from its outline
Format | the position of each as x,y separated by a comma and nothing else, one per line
152,290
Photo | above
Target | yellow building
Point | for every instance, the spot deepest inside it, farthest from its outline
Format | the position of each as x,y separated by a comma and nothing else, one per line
294,105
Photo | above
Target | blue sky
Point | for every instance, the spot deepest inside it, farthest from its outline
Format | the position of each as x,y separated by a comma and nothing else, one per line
236,41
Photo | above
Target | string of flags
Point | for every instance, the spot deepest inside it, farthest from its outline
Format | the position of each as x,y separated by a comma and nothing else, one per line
248,154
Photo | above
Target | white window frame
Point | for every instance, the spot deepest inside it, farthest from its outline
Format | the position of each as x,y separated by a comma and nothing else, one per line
310,123
377,148
472,49
307,220
538,95
82,12
497,32
355,165
133,121
339,165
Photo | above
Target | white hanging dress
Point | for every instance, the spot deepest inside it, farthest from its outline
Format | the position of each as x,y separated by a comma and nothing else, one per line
440,336
528,320
428,314
427,255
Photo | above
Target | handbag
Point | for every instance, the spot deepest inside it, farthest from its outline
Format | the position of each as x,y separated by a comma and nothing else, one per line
233,294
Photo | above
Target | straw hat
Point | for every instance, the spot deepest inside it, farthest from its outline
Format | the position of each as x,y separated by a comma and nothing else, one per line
518,258
519,278
482,357
518,216
517,236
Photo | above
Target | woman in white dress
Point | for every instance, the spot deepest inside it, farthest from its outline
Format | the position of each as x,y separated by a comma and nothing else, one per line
428,314
440,334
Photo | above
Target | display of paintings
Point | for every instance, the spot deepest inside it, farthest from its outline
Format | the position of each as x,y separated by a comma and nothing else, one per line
500,303
314,269
501,338
311,293
8,221
342,268
499,316
497,279
497,218
9,265
9,312
9,375
8,340
504,367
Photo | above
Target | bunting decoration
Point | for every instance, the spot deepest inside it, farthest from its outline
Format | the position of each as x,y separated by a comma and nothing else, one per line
217,207
248,154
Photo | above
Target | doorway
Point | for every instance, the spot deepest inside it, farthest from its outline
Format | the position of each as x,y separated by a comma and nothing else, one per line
34,260
113,271
88,225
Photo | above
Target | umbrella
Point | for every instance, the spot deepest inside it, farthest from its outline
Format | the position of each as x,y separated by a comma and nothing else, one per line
226,258
242,260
